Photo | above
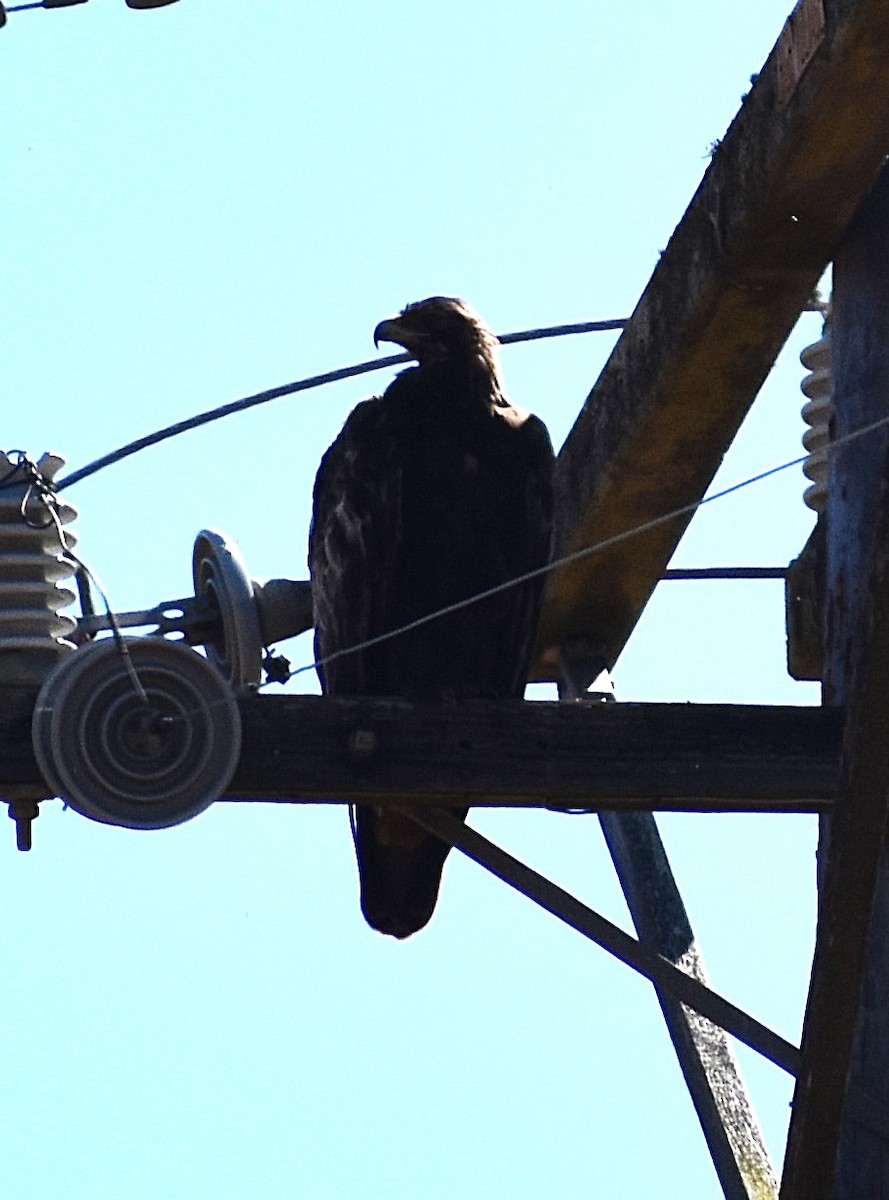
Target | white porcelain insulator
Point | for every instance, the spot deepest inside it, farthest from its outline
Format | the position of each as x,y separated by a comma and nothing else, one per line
34,629
817,412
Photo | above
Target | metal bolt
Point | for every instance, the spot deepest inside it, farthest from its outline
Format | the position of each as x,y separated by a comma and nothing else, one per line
23,812
362,743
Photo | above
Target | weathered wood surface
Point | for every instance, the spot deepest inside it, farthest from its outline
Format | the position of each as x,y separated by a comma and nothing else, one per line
781,189
662,756
681,757
804,608
703,1051
705,1056
842,1095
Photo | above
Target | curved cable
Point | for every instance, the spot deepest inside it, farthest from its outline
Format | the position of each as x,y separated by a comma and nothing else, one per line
304,385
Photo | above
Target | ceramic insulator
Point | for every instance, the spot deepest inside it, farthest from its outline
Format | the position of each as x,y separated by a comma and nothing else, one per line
817,412
33,629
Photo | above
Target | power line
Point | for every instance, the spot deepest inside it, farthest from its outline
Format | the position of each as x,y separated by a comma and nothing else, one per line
304,385
70,4
595,548
577,555
315,381
564,561
536,334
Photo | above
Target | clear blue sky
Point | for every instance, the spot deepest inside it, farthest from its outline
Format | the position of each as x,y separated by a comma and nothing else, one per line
209,199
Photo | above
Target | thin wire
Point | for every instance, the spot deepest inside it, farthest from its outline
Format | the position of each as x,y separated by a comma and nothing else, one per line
304,385
346,373
9,480
584,552
470,600
117,633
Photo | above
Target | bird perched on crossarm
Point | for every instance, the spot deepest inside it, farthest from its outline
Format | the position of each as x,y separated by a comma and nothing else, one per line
436,491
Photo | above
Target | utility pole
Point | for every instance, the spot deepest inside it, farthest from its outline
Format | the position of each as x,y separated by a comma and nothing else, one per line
838,1144
857,491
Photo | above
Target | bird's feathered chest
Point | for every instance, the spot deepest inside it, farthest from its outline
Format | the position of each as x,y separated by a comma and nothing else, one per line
461,472
428,497
456,456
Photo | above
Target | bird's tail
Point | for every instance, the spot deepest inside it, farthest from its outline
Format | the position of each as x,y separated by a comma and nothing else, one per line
399,868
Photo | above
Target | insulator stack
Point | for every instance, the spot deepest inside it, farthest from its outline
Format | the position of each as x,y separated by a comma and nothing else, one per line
33,629
817,413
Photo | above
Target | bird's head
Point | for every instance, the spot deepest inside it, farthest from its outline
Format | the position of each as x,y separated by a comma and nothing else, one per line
439,329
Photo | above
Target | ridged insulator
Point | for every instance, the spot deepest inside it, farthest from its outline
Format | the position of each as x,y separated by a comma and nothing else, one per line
817,413
33,629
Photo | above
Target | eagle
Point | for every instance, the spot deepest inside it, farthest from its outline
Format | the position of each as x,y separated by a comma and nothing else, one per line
433,493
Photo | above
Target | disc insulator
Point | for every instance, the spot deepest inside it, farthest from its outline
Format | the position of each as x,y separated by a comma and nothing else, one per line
220,574
141,761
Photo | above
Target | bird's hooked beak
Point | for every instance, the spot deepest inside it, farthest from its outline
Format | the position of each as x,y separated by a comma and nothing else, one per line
389,330
393,329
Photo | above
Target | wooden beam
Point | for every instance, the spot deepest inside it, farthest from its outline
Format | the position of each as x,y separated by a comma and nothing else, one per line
781,189
703,1051
676,757
509,753
804,608
705,1056
837,1143
638,955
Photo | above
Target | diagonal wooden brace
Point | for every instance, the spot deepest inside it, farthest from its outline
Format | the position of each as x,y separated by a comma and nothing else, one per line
609,936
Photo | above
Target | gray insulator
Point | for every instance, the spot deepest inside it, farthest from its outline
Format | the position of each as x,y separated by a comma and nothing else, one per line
250,615
220,576
34,631
817,413
143,761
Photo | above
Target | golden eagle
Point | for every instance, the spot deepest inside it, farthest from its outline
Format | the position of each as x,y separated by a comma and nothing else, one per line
433,492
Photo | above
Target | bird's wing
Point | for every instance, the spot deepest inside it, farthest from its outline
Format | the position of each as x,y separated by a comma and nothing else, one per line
539,500
532,516
355,543
355,530
354,536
